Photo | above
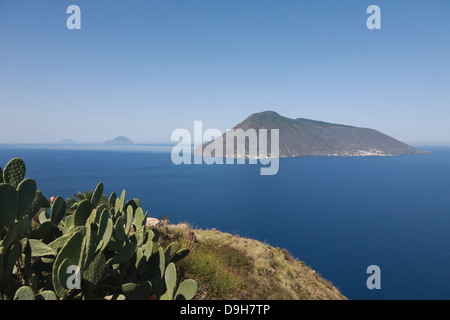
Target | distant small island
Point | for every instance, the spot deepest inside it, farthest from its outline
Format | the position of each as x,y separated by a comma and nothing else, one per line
303,137
120,140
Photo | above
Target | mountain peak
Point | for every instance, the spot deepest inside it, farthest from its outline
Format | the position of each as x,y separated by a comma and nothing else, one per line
304,137
264,115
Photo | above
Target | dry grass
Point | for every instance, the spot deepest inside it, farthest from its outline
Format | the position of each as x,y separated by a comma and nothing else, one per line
231,267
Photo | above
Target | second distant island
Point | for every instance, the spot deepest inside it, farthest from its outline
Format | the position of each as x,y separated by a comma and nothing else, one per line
120,140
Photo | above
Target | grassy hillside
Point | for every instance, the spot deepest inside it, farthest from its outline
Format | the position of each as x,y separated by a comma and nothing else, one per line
231,267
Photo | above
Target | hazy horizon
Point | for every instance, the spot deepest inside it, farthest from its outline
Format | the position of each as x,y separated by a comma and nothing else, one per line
145,69
165,142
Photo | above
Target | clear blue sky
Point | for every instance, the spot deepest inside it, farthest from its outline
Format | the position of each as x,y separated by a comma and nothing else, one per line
143,68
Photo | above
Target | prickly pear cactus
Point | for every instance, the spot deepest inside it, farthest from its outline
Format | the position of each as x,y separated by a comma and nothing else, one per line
115,254
27,193
14,172
24,293
9,204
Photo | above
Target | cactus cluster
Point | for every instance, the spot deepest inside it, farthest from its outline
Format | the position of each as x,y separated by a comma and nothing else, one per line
105,244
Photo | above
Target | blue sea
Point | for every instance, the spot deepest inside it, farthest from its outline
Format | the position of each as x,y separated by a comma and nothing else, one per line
339,215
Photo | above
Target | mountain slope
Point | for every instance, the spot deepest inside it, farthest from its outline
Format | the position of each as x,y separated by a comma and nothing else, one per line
304,137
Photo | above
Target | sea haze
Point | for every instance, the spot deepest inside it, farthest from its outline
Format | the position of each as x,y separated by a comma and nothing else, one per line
337,214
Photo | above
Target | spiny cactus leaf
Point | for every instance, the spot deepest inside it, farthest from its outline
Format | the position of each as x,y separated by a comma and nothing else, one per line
46,295
81,229
43,217
59,242
27,193
114,244
171,250
124,254
14,253
90,245
156,234
129,220
134,203
170,277
82,213
96,269
116,206
181,254
117,212
156,247
138,218
105,230
148,249
186,290
143,291
103,223
38,202
139,256
106,236
42,231
16,232
73,251
24,293
9,204
120,202
112,200
58,210
68,222
96,196
92,217
46,203
119,231
138,237
137,202
162,262
27,255
149,235
126,288
102,206
14,172
122,199
39,249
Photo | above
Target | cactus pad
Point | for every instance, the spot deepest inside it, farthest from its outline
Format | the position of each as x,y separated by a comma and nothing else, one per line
27,193
58,210
9,204
24,293
14,172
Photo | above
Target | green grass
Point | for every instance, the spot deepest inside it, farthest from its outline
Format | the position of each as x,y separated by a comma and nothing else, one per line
230,267
219,269
222,268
